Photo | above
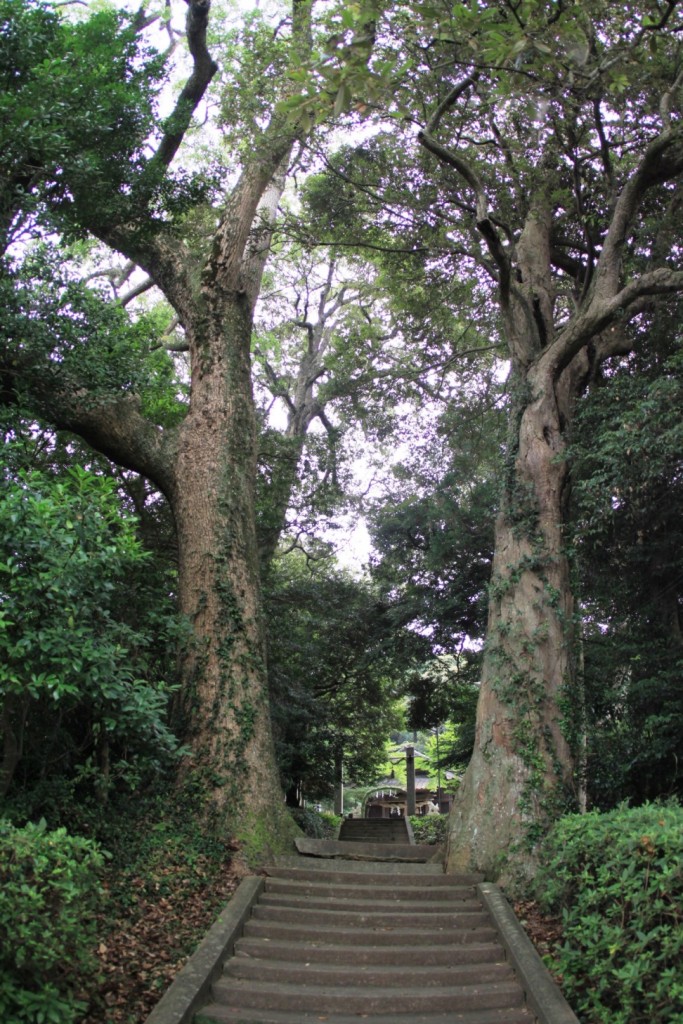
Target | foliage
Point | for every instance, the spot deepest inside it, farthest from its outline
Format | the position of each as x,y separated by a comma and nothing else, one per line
49,897
432,532
80,691
432,527
316,824
617,879
626,525
429,829
59,333
77,105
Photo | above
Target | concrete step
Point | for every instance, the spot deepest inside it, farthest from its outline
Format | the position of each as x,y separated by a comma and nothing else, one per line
391,942
366,976
306,866
405,914
237,993
512,1015
372,851
393,901
375,830
365,934
382,888
410,955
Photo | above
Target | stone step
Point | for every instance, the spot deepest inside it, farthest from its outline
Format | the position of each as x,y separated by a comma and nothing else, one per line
364,934
409,955
364,977
371,851
228,1015
383,825
391,942
416,917
360,830
376,903
383,888
427,871
237,993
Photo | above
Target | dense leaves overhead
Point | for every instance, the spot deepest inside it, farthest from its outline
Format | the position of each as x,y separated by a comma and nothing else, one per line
77,110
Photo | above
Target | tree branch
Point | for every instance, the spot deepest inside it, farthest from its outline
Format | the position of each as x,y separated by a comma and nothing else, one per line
138,289
451,159
602,314
232,240
458,90
111,424
662,161
203,69
484,222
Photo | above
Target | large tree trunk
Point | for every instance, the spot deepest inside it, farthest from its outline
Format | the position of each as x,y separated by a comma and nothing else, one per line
226,708
521,770
571,275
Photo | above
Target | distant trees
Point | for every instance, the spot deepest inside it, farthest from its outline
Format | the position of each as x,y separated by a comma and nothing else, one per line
336,666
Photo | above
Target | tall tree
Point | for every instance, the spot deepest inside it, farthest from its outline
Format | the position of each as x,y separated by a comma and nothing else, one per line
106,183
556,133
551,155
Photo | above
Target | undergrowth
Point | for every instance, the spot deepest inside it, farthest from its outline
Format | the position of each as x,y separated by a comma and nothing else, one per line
430,829
617,881
316,824
50,894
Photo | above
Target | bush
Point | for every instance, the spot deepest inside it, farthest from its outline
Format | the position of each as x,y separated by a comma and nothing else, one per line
316,824
49,896
430,829
617,880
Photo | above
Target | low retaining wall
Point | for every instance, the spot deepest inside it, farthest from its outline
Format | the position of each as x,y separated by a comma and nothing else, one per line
543,996
191,988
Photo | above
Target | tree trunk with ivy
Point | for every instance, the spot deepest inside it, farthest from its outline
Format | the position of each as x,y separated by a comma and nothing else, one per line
521,773
224,698
206,465
569,286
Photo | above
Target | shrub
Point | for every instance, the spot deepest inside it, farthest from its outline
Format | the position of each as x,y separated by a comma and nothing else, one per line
316,824
617,880
430,829
49,896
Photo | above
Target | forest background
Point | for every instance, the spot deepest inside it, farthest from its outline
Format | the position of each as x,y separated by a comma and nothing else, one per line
248,251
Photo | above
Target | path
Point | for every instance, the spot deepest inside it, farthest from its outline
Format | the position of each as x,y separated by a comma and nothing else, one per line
356,930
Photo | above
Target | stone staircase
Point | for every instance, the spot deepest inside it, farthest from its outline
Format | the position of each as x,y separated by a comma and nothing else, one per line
346,940
375,830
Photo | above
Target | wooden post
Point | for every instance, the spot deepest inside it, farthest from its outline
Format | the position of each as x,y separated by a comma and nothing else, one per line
339,782
410,780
